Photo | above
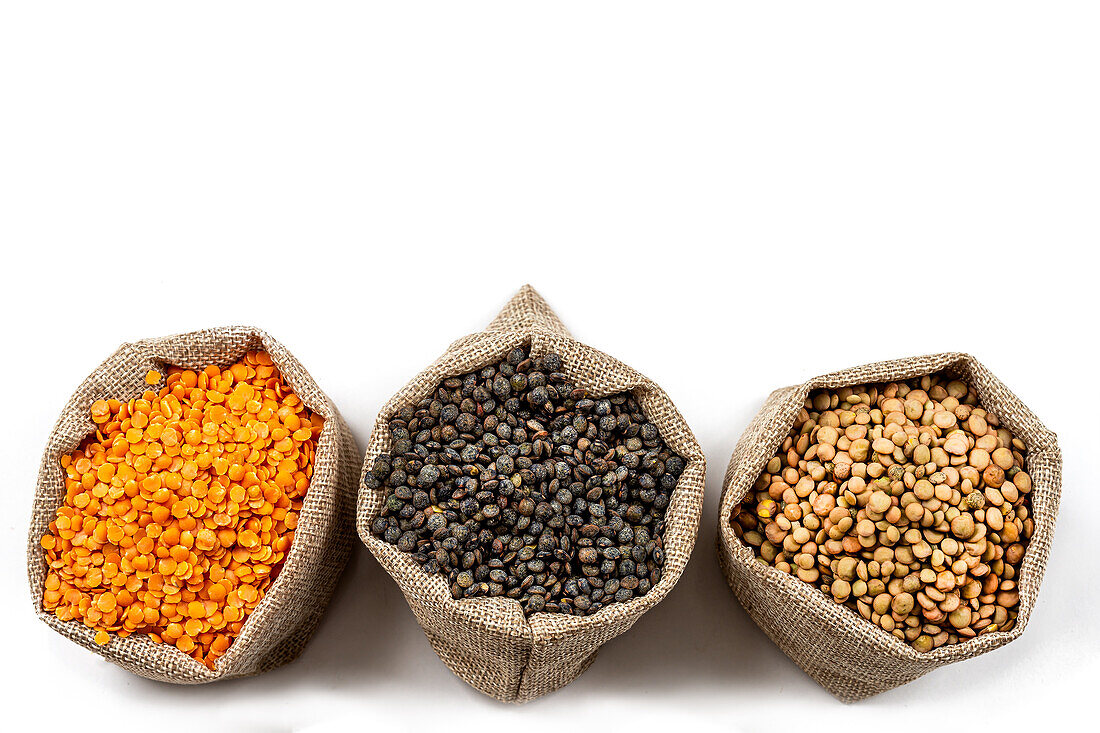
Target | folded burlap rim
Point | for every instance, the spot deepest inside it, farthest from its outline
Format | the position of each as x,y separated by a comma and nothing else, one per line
850,656
471,634
284,620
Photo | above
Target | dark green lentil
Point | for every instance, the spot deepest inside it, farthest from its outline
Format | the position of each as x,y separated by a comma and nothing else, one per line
510,481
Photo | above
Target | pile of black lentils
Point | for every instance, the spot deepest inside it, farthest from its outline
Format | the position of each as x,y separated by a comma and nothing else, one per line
512,482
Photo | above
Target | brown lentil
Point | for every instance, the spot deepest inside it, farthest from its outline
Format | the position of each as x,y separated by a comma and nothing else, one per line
908,502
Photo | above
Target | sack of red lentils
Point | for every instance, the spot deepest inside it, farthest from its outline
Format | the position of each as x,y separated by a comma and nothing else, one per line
882,521
533,497
193,508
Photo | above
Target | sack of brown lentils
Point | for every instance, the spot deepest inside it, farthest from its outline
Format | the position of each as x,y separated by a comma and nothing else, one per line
276,594
533,497
865,563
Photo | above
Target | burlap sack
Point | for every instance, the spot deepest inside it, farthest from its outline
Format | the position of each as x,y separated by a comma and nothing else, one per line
849,656
487,641
283,622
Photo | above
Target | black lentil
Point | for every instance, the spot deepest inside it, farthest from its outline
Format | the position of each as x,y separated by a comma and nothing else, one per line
510,481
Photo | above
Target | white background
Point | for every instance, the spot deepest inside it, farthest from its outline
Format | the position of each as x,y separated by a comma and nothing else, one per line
730,197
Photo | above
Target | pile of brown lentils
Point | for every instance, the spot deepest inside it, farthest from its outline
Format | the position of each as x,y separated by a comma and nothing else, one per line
511,481
907,502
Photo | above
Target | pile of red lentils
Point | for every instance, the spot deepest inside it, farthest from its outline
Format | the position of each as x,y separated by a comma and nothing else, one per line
181,508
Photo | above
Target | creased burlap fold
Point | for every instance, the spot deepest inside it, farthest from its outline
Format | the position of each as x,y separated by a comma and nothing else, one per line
487,641
278,629
849,656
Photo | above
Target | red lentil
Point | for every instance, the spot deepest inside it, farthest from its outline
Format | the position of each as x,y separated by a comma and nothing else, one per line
181,508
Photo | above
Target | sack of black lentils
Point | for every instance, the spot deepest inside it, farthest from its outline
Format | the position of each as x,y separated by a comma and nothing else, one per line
193,508
882,521
533,497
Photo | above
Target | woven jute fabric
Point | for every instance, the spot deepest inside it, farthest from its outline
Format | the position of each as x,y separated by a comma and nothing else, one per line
849,656
277,630
487,641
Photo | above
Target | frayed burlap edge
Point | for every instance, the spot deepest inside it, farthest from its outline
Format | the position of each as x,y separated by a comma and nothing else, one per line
283,622
488,642
849,656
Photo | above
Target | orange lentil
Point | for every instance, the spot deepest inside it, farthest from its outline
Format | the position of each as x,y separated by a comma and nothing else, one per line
206,539
181,508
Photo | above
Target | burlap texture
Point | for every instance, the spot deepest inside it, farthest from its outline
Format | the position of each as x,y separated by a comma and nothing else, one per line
283,622
487,641
849,656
